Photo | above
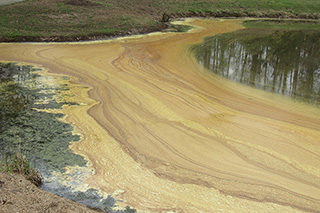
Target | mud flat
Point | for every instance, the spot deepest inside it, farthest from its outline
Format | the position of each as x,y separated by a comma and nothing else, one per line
162,133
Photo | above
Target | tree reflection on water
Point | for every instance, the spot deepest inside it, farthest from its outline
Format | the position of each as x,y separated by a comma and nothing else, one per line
285,62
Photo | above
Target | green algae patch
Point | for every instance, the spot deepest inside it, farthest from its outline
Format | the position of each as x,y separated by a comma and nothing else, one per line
28,125
24,124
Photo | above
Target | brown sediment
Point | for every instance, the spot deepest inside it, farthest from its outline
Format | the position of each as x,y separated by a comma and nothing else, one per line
164,134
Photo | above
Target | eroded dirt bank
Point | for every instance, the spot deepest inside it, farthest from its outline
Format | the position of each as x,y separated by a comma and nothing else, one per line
164,134
19,195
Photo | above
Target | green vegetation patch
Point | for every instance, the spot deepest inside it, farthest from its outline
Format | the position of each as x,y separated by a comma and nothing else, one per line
283,24
57,20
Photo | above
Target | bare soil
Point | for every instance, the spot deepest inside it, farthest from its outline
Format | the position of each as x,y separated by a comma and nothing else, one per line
19,195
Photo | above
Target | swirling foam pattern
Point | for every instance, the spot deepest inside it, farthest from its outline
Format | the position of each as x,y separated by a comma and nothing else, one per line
162,133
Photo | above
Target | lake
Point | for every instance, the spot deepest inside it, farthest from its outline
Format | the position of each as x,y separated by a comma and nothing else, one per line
276,60
219,118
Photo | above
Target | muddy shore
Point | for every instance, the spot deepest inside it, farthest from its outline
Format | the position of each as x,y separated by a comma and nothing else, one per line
19,195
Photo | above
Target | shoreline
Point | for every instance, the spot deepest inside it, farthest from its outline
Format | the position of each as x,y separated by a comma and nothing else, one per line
165,26
19,195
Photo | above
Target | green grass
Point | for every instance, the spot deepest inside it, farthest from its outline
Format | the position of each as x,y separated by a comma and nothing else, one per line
18,164
82,19
295,6
280,24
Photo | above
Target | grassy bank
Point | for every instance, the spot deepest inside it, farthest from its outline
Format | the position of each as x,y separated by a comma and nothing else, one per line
64,20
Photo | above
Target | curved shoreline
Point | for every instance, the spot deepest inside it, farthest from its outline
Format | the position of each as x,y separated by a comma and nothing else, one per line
152,29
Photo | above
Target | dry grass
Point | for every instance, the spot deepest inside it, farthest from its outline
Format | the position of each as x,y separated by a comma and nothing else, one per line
18,163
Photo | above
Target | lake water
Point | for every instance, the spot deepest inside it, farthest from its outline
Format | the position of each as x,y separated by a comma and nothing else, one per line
141,122
278,61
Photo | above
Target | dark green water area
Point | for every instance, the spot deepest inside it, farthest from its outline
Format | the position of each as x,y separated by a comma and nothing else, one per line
178,28
40,135
273,55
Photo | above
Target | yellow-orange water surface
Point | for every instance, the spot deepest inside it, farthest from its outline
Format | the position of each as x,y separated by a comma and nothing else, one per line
164,134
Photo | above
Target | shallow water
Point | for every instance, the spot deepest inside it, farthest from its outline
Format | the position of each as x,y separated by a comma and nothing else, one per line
28,125
279,61
161,133
24,124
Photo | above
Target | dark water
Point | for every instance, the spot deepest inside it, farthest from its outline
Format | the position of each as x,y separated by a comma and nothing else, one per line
279,61
41,136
